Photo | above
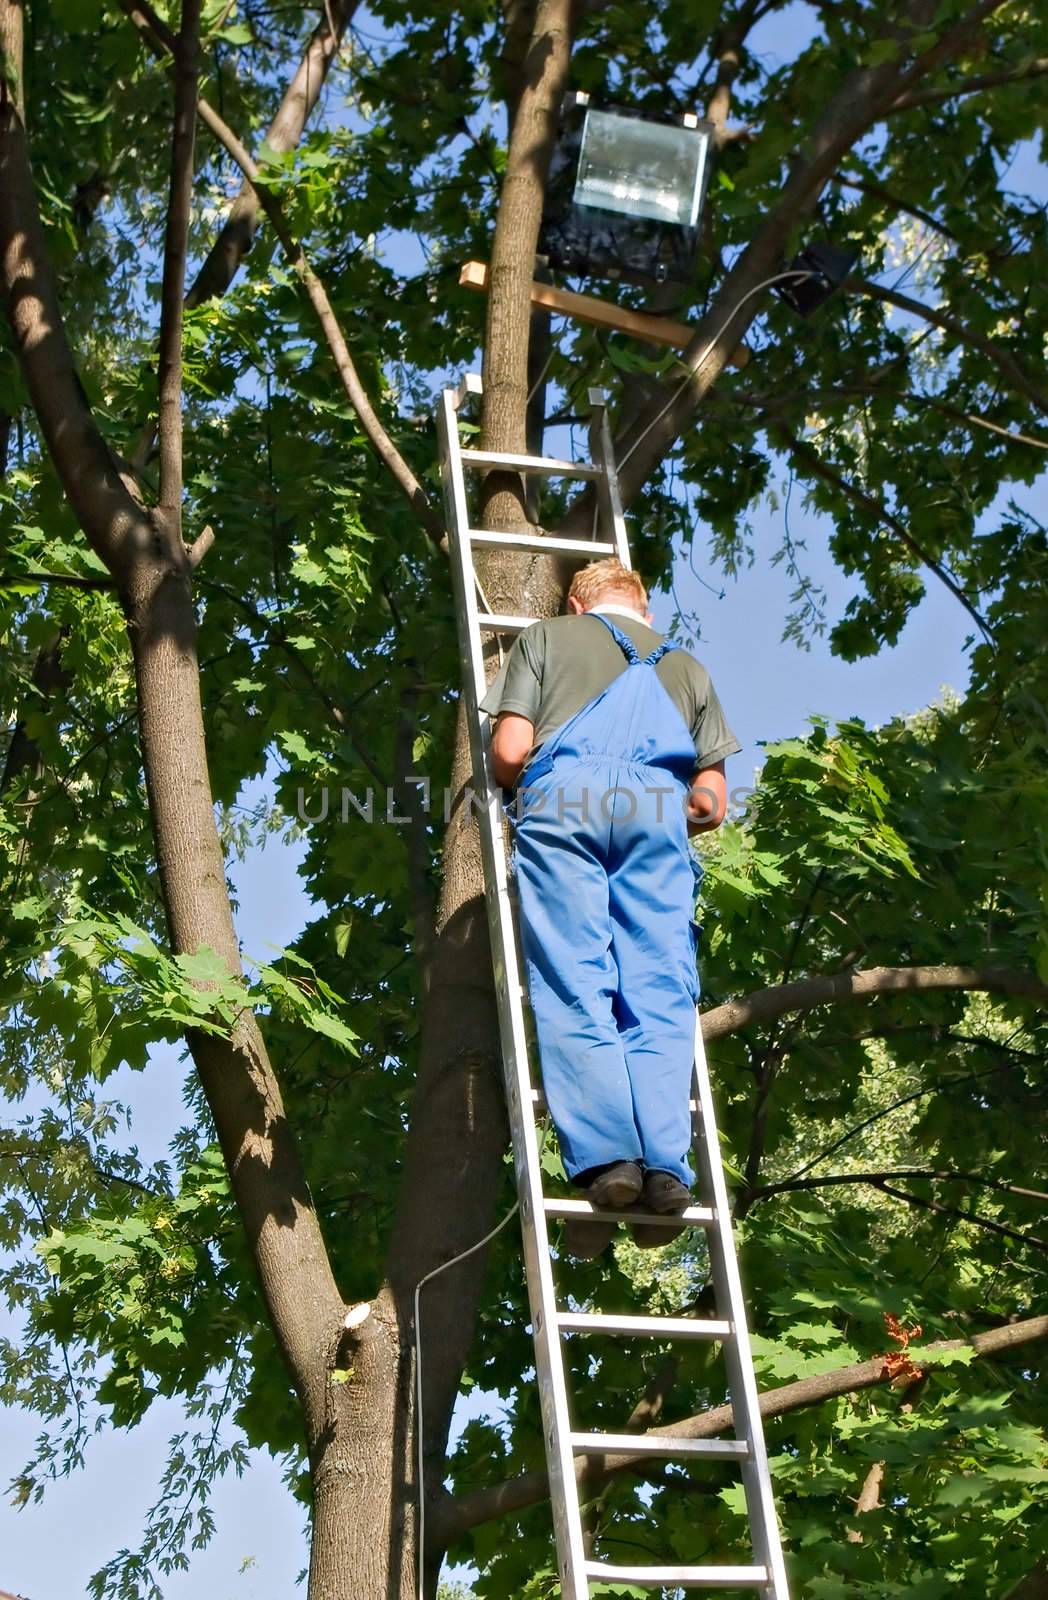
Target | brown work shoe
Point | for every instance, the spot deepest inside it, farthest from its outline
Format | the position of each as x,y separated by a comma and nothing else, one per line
664,1193
616,1187
585,1240
653,1235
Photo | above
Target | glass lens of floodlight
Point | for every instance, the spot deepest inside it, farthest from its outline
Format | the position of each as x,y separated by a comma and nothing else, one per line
642,169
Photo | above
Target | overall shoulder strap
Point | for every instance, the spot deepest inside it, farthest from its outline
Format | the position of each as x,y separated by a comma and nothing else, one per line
657,654
625,645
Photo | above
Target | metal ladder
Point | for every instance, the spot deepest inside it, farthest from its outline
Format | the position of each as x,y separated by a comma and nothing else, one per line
767,1576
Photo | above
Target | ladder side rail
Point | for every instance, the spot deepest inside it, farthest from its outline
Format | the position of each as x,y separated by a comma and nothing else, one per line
608,497
539,1270
738,1357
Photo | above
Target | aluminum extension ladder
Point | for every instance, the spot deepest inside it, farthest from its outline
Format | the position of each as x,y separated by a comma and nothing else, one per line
768,1575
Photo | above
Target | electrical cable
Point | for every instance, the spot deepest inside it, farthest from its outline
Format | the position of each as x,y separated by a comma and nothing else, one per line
486,603
420,1468
420,1285
779,277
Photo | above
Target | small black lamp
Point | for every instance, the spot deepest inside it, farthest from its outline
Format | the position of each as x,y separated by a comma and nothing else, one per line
828,267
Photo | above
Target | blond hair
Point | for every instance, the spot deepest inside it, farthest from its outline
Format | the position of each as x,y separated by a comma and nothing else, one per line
602,580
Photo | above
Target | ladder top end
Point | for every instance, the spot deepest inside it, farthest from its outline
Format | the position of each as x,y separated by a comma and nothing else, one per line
470,385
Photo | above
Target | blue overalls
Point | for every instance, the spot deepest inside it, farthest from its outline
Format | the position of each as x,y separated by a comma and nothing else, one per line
607,889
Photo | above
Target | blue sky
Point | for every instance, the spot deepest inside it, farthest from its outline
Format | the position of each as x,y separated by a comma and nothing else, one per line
769,689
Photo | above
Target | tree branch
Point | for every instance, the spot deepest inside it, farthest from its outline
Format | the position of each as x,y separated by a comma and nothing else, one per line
908,396
286,129
790,1185
876,192
102,498
69,580
877,509
986,80
511,270
1005,364
727,48
152,27
764,1005
457,1514
962,1216
896,1105
176,240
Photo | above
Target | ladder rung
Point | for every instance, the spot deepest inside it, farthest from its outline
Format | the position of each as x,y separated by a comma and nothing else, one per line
550,466
656,1444
541,544
698,1216
683,1577
500,624
653,1327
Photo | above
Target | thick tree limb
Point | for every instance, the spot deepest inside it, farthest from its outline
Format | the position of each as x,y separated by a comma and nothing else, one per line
764,1005
456,1515
116,523
544,77
728,52
1006,364
444,1206
286,129
977,85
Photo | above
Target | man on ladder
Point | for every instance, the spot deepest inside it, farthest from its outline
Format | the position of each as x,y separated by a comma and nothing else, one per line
618,742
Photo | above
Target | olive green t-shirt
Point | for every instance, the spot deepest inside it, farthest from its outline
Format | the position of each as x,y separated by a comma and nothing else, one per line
557,666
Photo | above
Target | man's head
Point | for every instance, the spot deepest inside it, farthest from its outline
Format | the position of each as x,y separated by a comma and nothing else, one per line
608,583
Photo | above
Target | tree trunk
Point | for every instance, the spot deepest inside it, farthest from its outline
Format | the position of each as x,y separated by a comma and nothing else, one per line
363,1545
241,1088
455,1166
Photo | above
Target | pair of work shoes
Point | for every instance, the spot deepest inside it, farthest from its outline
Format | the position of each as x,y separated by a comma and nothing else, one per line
622,1186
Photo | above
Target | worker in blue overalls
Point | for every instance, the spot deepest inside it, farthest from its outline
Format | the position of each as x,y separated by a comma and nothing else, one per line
615,742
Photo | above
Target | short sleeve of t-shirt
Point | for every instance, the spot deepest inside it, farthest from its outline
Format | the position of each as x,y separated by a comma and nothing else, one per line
518,685
714,740
692,688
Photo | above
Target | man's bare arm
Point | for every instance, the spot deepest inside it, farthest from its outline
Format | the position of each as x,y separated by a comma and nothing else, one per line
513,738
707,799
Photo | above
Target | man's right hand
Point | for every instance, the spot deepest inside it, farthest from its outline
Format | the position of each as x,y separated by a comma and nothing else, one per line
707,799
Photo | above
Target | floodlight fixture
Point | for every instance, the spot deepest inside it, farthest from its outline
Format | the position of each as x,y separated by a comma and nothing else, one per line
826,266
624,195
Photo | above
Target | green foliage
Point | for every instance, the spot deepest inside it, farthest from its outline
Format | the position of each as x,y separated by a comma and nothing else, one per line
329,663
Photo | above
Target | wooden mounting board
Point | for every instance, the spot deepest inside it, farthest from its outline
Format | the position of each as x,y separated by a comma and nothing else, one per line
602,313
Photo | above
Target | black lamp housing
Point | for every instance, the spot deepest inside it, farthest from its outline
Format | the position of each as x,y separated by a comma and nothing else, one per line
624,195
828,267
